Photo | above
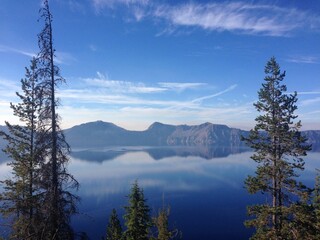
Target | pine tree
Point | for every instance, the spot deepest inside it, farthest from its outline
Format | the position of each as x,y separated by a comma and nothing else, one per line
137,217
306,221
302,225
22,193
316,204
114,229
60,204
162,224
279,150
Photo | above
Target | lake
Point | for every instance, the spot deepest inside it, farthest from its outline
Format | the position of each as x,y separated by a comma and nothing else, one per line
203,187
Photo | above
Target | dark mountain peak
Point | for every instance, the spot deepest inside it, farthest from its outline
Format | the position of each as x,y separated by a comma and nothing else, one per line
206,124
206,127
211,126
159,125
98,125
95,134
102,134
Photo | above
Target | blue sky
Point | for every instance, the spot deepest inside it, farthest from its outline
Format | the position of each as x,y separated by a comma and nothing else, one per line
133,62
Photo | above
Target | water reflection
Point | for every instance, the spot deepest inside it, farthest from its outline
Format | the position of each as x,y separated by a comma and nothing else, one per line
207,198
200,192
192,186
171,173
157,153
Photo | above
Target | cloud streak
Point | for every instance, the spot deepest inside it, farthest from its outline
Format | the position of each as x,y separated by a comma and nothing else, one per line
201,99
119,86
304,59
60,58
180,86
100,103
239,17
101,97
311,101
99,5
309,93
8,88
18,51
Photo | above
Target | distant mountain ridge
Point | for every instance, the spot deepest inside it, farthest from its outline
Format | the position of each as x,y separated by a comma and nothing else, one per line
102,134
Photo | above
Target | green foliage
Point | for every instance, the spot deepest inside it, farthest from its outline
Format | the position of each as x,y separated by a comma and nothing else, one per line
279,150
37,198
316,204
21,198
162,224
138,221
59,202
114,229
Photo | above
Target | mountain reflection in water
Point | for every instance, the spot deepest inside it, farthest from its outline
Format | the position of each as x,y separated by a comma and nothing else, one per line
157,153
207,198
204,187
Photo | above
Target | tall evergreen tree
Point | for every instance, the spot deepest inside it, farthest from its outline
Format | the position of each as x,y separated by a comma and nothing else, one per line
114,229
60,203
316,204
137,215
22,195
306,221
162,224
279,148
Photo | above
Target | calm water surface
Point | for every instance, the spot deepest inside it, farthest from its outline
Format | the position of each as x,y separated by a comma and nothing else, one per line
204,187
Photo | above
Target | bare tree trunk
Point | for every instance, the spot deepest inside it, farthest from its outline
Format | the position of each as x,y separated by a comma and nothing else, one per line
54,186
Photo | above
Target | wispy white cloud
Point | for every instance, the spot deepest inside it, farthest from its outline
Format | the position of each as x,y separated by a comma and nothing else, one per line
8,88
97,103
101,4
143,115
9,85
18,51
312,113
4,104
200,114
7,113
199,100
99,96
139,13
303,59
118,86
64,58
76,6
238,17
93,47
61,57
309,93
311,101
181,86
101,90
